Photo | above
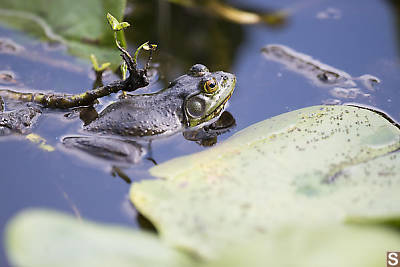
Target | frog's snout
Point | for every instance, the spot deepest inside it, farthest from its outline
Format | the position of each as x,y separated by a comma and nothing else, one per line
228,80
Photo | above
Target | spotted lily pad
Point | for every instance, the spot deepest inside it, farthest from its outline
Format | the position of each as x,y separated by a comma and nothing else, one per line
310,167
46,238
80,25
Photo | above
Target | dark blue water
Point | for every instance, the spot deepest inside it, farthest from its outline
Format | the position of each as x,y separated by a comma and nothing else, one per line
358,37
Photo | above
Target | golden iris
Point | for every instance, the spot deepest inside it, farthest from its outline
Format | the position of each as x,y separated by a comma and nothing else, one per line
210,86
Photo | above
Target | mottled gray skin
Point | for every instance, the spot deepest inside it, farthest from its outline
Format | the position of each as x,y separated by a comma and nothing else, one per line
164,112
18,121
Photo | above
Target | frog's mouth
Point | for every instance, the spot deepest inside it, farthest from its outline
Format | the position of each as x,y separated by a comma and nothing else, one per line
220,107
214,114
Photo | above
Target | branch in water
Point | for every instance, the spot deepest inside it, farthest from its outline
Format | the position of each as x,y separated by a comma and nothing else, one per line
137,79
64,101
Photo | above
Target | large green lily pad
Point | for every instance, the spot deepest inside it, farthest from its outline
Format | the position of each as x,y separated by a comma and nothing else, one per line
80,25
47,238
328,246
310,167
40,238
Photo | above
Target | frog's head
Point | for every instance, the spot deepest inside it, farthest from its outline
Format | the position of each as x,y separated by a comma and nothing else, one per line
209,100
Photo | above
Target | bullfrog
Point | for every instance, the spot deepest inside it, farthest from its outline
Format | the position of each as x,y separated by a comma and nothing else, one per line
192,100
191,103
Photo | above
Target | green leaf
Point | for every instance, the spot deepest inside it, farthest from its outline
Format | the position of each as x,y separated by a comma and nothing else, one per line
308,167
328,246
124,25
147,46
80,25
95,64
46,238
115,24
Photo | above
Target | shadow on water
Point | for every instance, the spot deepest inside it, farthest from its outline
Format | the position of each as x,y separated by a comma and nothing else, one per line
395,4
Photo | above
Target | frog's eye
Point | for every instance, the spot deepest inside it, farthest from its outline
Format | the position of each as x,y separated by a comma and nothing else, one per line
210,86
198,70
195,107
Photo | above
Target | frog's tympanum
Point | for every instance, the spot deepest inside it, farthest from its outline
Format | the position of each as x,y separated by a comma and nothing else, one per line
192,104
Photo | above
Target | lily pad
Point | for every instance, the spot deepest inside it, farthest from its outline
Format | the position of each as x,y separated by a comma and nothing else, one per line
309,167
47,238
80,25
327,246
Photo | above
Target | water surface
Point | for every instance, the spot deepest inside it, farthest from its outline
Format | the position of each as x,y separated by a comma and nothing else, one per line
356,37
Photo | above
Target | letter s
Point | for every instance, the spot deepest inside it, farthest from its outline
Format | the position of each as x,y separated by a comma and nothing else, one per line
392,259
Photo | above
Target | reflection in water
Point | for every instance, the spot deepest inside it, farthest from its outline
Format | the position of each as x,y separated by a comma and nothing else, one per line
125,153
396,7
132,116
188,39
117,171
342,84
188,33
8,46
207,136
329,13
234,14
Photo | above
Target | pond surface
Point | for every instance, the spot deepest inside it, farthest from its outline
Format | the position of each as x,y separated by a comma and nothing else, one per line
353,37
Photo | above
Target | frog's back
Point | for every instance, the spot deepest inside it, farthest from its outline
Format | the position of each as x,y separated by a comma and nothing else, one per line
143,115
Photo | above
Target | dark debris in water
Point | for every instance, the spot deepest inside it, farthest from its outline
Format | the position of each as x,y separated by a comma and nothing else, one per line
8,46
18,121
342,85
7,77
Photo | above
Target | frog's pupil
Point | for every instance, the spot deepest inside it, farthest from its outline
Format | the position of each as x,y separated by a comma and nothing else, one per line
212,85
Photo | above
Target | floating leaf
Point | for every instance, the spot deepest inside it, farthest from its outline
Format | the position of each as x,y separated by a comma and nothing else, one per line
328,246
45,238
80,25
307,167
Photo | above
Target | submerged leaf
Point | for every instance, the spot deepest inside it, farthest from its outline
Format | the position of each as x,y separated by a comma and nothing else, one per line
46,238
307,167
